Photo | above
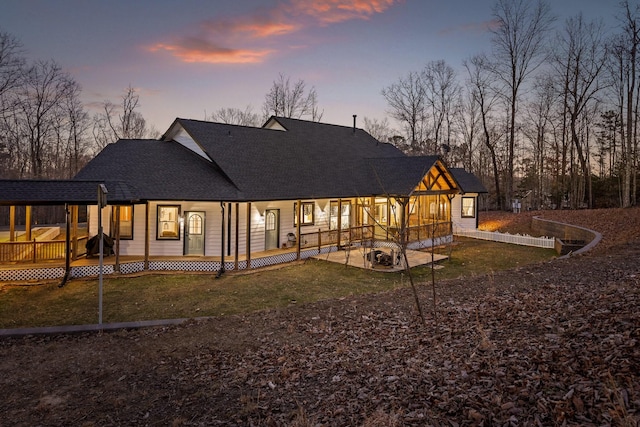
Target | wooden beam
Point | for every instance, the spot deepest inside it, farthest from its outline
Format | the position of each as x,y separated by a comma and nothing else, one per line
12,223
74,232
27,222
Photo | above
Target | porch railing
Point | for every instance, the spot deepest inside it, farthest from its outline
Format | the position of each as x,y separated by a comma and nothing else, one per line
332,237
368,232
421,232
34,250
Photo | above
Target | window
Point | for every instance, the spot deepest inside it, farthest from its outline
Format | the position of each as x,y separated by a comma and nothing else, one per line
381,213
306,213
195,224
345,215
270,221
468,207
126,222
168,227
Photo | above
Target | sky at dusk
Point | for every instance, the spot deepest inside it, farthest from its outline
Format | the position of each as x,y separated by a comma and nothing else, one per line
189,58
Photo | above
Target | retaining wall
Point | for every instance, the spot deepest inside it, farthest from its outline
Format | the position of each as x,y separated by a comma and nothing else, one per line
566,232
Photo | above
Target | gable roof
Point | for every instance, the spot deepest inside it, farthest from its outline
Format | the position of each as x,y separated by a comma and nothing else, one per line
293,159
468,182
306,160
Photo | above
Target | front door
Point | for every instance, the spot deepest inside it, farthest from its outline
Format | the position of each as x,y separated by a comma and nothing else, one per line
194,233
271,229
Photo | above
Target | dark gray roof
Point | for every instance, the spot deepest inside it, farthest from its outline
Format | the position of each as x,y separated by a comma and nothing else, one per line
160,170
308,160
59,192
468,182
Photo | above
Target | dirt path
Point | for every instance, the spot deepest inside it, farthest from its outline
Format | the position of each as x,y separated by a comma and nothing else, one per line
546,344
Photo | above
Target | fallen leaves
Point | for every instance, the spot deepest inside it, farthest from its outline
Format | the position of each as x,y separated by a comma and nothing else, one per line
549,344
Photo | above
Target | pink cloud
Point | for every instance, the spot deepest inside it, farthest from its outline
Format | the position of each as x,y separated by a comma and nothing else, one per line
198,50
233,41
335,11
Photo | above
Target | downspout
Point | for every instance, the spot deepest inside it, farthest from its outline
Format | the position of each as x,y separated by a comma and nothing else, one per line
223,230
67,246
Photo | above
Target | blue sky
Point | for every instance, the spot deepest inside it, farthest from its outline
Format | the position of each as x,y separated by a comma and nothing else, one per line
191,57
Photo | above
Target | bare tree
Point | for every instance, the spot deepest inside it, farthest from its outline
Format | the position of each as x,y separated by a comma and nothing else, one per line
581,57
11,64
236,116
623,73
42,95
406,101
379,129
519,49
292,100
482,82
11,71
468,123
442,92
121,121
539,111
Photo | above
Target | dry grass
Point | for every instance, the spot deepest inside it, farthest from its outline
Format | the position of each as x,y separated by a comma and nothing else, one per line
195,295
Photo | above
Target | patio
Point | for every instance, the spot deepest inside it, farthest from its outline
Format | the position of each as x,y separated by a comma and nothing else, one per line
358,257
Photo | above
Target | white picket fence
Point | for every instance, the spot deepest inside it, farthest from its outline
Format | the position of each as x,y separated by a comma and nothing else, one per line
516,239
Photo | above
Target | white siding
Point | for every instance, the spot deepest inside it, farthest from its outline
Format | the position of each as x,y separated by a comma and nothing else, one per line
213,226
185,139
456,212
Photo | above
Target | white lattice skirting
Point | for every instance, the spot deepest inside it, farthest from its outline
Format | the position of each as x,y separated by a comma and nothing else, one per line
34,274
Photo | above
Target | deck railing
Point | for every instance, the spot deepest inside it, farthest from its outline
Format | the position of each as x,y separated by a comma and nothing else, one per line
368,232
422,232
34,250
330,237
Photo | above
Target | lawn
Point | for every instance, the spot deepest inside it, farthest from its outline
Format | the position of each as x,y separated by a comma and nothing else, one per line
165,296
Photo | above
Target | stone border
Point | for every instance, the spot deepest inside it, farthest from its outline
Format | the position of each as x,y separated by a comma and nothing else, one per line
94,327
564,231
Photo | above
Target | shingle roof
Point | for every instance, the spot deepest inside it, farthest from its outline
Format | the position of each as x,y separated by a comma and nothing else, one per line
467,181
308,160
58,192
160,170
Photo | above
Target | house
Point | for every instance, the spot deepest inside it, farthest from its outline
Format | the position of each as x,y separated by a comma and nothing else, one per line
464,207
215,197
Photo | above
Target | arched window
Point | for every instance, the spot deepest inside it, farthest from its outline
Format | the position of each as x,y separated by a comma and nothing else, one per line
270,221
195,224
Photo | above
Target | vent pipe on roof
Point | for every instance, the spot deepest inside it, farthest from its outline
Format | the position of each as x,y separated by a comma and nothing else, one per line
354,123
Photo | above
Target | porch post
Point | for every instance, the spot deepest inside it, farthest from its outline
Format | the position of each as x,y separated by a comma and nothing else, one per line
222,231
339,222
116,267
248,242
27,222
147,221
235,254
74,231
12,223
67,246
298,238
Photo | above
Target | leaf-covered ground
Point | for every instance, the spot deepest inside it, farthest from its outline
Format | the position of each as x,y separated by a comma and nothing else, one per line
556,343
